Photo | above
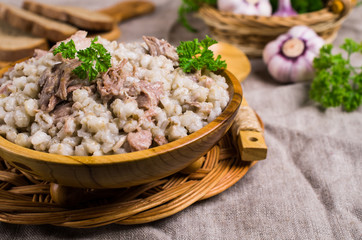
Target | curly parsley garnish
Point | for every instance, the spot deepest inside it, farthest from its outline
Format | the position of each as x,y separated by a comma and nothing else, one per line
301,6
195,55
188,6
95,59
337,82
66,49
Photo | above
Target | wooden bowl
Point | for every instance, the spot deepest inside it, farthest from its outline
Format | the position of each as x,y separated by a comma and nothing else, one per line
128,169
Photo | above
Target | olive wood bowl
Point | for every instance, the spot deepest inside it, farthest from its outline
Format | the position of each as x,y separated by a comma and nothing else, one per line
128,169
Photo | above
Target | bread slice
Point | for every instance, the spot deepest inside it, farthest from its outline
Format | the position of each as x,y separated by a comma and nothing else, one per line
16,44
79,17
110,35
35,24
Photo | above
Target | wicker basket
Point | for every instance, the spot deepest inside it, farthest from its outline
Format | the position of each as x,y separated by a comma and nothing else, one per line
252,33
26,200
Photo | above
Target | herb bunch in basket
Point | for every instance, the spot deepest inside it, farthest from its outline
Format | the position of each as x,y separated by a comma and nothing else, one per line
251,7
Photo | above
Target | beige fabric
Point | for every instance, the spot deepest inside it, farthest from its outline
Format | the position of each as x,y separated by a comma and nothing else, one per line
309,187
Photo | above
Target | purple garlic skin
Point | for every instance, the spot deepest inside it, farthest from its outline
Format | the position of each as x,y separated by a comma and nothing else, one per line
290,57
285,9
247,7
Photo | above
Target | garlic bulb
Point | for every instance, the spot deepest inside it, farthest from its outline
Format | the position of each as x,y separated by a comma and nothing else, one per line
247,7
290,57
285,9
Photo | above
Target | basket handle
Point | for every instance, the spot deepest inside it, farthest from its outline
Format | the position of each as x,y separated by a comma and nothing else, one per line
341,7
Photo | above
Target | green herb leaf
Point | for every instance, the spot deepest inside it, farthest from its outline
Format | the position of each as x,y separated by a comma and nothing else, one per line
351,46
95,59
301,6
188,6
66,49
195,55
337,82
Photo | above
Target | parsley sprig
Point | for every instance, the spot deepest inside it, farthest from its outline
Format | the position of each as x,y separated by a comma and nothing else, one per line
196,55
95,59
337,81
66,49
301,6
188,6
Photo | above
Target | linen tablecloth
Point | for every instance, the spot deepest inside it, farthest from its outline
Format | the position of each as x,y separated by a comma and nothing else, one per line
309,187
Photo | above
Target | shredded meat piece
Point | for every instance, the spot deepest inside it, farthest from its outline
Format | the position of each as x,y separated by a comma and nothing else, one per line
80,40
204,107
134,89
149,114
159,47
62,90
68,85
53,101
160,140
67,124
111,83
38,53
62,111
72,88
4,89
206,81
56,84
150,94
140,140
48,83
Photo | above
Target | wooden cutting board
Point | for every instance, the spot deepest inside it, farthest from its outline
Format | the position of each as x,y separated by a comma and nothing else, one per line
237,62
120,12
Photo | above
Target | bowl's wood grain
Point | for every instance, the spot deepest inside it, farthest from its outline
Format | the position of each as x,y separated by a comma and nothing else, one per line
122,170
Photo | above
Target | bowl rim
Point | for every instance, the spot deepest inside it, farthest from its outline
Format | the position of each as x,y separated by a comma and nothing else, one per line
231,109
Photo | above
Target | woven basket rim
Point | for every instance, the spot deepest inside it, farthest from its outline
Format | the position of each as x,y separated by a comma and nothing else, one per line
228,21
315,14
256,17
252,33
142,204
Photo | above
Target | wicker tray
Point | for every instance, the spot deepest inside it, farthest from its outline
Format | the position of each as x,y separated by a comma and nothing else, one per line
25,200
252,33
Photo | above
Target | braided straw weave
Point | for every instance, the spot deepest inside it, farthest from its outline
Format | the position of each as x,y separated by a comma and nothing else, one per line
25,200
252,33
